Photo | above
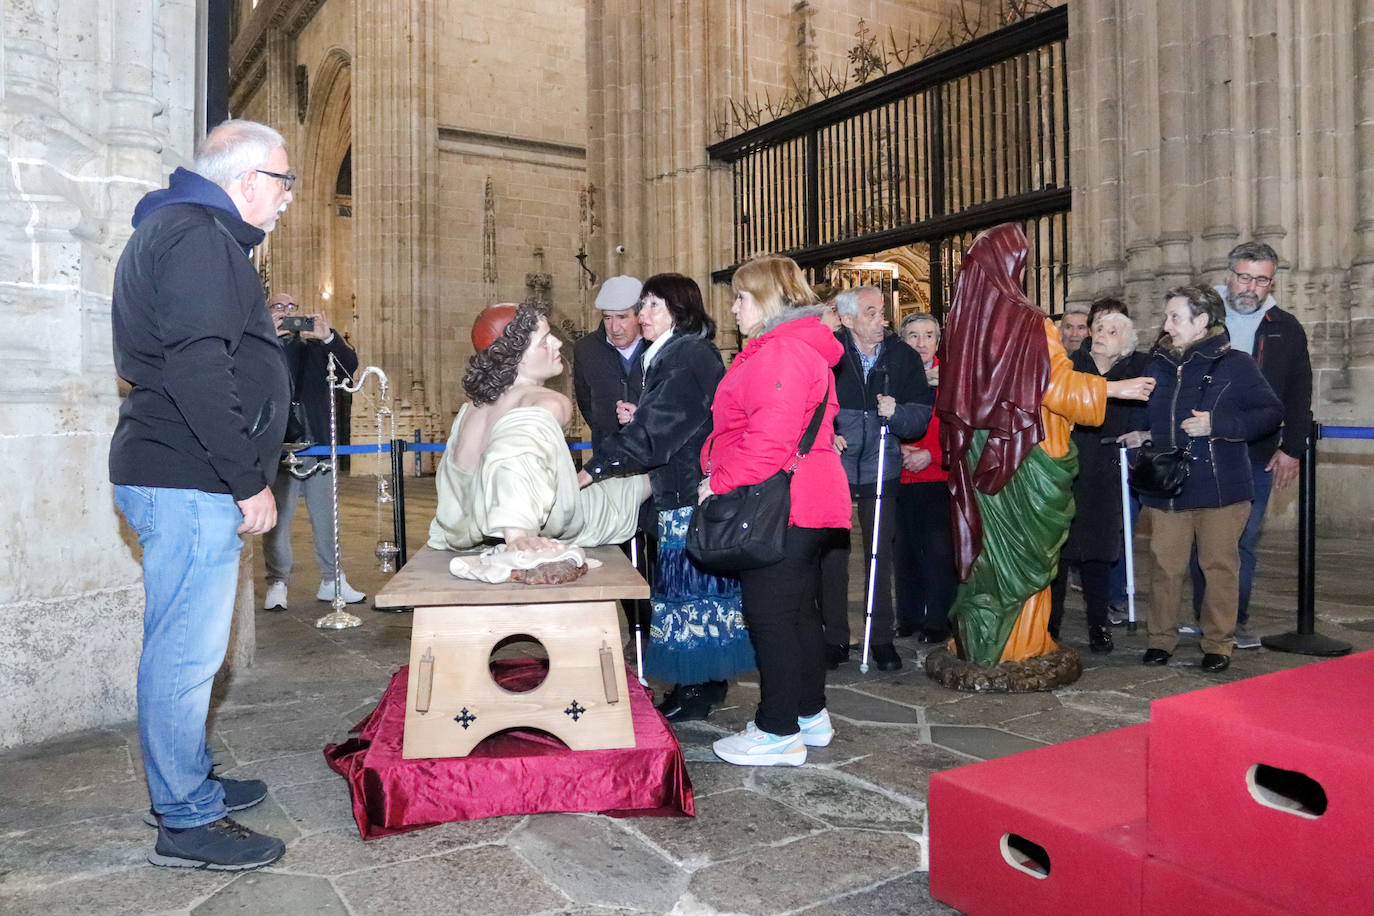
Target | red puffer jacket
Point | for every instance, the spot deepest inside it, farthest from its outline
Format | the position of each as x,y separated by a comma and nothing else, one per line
761,410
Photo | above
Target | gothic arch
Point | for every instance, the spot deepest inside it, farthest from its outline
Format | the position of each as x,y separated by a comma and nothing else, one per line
328,134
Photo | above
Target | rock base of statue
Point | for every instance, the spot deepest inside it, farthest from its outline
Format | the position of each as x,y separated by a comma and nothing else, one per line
1043,672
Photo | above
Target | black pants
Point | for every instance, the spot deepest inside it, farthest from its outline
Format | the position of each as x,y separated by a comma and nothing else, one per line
925,577
785,627
1097,579
834,594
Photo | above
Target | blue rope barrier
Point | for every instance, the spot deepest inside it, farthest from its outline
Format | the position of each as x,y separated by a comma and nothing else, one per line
1346,432
322,451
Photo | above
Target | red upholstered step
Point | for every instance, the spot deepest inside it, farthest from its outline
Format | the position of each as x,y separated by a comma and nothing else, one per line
1082,803
1267,785
1173,889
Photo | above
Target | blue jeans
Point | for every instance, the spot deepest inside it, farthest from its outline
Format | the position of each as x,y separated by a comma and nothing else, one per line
1249,544
191,553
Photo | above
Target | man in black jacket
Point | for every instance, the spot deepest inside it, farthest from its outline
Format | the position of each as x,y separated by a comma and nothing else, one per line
1278,343
879,381
193,458
608,367
307,354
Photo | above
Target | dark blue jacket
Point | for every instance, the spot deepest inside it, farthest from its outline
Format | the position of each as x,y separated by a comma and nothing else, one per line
1243,407
671,423
600,379
898,373
195,341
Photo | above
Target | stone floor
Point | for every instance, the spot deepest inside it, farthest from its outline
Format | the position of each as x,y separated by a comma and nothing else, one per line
846,833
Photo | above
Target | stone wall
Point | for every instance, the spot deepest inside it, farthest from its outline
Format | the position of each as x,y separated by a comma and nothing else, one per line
96,107
1197,126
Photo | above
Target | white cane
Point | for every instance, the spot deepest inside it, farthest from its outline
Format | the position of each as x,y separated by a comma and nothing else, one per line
873,551
1129,541
639,629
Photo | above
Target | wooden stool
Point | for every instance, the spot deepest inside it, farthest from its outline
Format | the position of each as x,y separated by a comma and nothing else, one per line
452,702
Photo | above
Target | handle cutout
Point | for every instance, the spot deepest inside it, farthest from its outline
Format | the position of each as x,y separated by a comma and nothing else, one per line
1023,855
425,687
1286,790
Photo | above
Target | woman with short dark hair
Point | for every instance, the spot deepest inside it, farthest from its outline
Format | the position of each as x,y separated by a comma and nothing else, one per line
697,638
1213,400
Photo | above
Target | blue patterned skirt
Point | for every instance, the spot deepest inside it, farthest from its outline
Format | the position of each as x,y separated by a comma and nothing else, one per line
697,633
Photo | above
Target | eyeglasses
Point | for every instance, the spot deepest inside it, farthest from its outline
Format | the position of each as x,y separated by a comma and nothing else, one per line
287,178
283,306
1260,282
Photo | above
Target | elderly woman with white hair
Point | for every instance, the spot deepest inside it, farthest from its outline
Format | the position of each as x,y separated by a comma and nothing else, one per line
1095,537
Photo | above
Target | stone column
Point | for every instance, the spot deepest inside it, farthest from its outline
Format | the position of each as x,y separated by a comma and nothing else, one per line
394,201
1218,160
1362,268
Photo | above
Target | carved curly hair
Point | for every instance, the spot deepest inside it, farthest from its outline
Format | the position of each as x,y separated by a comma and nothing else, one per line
491,371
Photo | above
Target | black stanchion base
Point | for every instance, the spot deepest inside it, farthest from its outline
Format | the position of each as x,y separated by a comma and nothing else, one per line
1306,644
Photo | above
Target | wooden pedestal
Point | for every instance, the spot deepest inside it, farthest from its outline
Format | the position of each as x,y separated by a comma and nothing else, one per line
452,702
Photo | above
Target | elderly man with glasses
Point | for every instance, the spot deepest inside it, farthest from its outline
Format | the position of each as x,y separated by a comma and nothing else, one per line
1278,343
193,458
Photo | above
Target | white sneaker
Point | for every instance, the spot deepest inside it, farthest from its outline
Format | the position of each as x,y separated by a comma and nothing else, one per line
816,731
754,747
1189,629
1244,638
276,597
350,594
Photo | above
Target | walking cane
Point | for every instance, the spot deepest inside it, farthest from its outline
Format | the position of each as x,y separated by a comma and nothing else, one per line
873,551
1129,540
638,621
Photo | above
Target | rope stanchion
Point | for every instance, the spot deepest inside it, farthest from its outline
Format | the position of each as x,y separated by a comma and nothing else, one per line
398,499
1305,640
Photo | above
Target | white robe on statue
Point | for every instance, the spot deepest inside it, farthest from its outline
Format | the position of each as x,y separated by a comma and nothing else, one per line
526,479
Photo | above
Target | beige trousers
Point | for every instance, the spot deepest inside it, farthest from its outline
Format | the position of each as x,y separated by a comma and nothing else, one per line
1217,533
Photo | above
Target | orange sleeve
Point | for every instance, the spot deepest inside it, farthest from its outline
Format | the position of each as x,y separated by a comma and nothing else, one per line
1070,397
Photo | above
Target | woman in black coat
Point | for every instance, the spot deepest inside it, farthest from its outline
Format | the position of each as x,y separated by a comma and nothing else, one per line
1095,536
697,637
1213,400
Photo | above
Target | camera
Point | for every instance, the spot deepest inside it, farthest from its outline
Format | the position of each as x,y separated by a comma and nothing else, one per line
297,323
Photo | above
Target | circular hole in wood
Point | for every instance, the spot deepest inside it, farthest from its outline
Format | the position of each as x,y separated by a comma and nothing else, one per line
518,663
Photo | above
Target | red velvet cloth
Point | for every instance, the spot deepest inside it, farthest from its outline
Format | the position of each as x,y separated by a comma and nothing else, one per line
515,772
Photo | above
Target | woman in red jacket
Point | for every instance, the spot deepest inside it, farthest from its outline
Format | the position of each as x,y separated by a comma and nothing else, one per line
761,410
926,581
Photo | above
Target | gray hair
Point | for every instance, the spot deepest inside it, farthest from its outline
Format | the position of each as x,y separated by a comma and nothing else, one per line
1129,336
847,300
914,317
1252,251
235,147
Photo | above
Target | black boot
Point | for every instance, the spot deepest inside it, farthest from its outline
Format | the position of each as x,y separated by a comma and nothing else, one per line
1100,640
670,700
694,702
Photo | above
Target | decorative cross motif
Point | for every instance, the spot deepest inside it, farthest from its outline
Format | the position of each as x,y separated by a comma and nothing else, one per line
465,718
575,711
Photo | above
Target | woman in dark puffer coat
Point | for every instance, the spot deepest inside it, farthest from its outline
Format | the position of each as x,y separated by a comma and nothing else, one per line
1213,400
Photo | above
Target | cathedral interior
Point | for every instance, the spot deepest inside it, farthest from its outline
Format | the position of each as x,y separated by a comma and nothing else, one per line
453,155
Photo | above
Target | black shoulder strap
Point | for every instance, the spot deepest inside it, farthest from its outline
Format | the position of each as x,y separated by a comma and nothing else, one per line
809,437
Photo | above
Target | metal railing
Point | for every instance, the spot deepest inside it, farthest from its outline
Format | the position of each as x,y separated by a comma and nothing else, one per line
967,139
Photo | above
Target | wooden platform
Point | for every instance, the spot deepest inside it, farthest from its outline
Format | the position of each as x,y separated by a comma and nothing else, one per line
452,701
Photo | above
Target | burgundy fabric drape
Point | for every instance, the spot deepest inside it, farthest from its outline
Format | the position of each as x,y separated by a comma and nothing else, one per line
514,772
994,368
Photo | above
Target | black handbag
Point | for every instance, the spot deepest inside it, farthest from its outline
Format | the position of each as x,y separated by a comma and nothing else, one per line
1161,471
746,528
299,434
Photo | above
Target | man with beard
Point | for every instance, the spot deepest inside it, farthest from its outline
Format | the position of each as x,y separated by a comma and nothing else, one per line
1278,343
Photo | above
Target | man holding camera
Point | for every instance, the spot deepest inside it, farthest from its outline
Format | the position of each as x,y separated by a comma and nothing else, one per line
309,341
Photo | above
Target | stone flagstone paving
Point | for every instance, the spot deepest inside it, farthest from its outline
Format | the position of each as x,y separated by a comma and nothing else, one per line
844,834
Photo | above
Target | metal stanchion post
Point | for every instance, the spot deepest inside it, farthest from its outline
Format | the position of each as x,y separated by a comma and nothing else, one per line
1306,640
418,469
398,498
